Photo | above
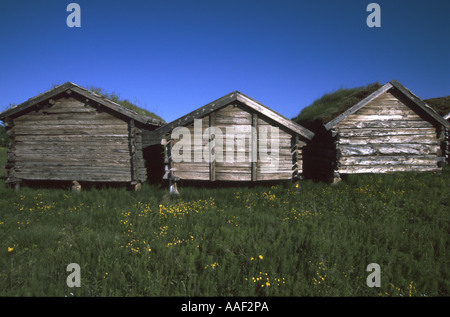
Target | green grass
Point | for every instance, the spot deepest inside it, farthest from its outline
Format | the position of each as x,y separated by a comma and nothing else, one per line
332,104
113,96
314,240
441,105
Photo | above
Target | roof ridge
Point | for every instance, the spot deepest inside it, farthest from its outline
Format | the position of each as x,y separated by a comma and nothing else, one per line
391,84
88,94
225,100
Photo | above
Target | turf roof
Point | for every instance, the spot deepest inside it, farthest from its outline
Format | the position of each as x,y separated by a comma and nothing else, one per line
440,105
111,99
332,104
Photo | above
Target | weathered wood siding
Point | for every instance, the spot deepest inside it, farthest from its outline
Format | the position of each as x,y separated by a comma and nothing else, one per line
290,159
236,163
386,135
446,144
239,165
193,168
69,139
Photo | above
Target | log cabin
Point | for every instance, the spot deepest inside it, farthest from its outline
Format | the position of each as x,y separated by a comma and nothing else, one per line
447,139
442,106
71,134
232,139
385,128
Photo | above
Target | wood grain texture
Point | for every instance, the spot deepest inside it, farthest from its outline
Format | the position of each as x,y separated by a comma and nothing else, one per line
387,134
245,149
69,139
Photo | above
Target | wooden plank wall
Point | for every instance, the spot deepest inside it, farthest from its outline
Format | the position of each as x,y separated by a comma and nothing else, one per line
193,170
68,139
386,135
289,154
446,145
138,164
238,118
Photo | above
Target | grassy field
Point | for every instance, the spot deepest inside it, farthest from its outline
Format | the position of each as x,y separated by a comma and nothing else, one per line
314,240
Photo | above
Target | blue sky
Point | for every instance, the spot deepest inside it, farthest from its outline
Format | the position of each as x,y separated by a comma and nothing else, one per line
173,56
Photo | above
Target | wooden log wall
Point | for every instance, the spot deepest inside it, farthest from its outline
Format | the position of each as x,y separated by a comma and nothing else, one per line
138,165
195,169
290,162
72,139
446,145
232,167
235,167
386,135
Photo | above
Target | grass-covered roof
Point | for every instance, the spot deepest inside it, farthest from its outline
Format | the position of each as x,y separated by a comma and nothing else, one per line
440,105
110,98
332,104
326,111
123,102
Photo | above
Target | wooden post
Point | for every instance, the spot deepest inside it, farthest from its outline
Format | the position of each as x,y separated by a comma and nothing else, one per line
212,163
254,146
294,152
336,178
338,153
173,188
76,187
132,148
